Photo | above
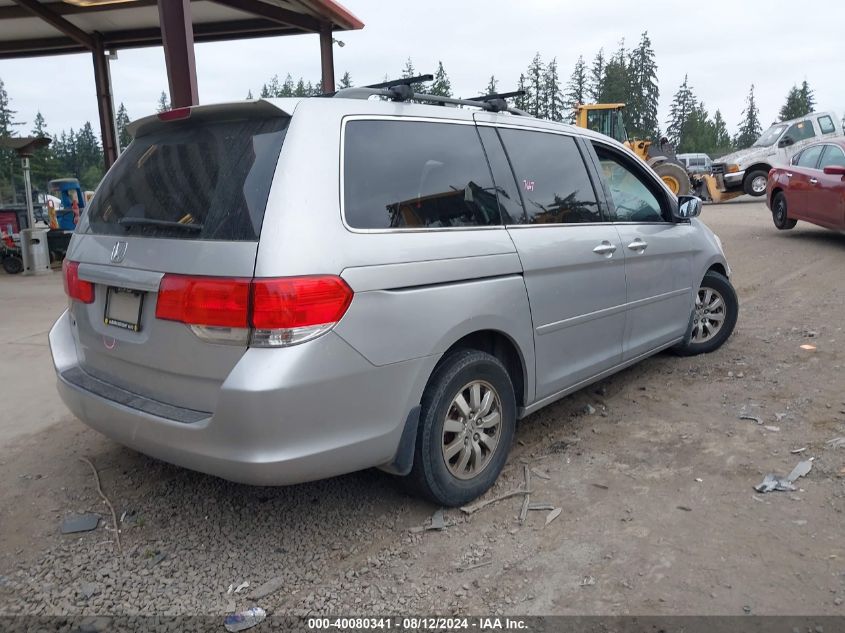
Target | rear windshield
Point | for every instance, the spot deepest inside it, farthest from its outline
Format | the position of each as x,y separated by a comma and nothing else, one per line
192,180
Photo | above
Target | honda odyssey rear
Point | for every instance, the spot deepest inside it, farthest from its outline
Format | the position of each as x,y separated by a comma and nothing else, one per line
281,291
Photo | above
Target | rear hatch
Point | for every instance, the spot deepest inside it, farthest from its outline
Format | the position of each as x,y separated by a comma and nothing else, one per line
185,199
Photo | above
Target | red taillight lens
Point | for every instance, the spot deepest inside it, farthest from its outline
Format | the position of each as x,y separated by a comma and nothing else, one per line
266,304
221,302
76,288
292,302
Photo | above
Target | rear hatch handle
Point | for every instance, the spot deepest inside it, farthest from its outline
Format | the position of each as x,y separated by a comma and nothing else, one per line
133,278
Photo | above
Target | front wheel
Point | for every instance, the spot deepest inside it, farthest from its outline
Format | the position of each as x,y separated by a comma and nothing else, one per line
466,427
714,316
779,213
755,183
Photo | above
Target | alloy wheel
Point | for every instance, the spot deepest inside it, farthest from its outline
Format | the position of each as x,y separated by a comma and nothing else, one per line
472,429
709,315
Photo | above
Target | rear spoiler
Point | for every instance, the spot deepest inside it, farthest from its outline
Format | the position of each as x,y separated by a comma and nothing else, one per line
259,108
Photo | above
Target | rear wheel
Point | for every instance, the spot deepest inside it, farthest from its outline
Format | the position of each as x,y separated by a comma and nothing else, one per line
675,177
779,213
466,428
714,316
12,264
755,183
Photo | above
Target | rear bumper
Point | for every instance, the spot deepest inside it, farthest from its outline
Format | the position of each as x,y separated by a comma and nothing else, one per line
283,416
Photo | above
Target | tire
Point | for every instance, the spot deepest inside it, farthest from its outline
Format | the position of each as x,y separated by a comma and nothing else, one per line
441,479
779,213
755,183
12,264
675,177
704,336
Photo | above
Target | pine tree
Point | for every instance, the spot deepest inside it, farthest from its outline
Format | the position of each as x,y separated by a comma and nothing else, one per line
90,157
616,87
596,80
808,98
576,89
441,86
536,97
8,159
249,96
723,144
300,90
121,121
287,89
345,81
521,103
682,107
555,109
42,163
492,86
750,128
163,102
641,113
792,108
410,71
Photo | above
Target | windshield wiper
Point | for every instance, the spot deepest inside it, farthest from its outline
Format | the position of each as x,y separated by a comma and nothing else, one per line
188,227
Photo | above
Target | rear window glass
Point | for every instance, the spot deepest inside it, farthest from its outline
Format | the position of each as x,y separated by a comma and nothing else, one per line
826,125
192,180
413,174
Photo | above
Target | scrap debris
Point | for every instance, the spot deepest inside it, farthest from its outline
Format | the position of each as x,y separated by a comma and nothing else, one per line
526,500
475,507
106,501
588,581
551,516
753,418
80,523
244,620
836,442
483,563
785,484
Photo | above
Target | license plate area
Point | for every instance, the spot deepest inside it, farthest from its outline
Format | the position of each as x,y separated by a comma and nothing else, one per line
123,308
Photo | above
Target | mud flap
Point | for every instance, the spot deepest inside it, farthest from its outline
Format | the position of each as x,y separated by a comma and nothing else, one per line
403,461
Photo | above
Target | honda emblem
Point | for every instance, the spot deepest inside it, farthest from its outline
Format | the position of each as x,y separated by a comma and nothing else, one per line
118,252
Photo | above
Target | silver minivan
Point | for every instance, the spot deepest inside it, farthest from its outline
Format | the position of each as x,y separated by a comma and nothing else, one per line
278,291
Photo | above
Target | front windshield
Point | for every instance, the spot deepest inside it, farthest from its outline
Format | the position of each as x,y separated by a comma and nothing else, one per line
770,136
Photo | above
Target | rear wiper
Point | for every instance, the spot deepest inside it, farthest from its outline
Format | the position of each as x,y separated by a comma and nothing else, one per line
168,224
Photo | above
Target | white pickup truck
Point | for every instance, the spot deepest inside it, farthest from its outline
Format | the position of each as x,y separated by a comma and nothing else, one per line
747,170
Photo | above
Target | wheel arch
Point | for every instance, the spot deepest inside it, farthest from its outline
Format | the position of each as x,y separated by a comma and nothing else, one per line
762,166
498,344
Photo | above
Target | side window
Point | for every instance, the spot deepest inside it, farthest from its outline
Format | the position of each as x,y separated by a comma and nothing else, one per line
810,156
833,157
634,198
552,177
509,201
801,130
412,174
826,125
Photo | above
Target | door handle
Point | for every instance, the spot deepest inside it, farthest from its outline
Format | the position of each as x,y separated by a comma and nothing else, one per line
813,181
638,245
605,248
789,174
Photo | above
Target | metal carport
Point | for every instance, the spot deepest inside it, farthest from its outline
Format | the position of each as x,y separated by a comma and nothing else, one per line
32,28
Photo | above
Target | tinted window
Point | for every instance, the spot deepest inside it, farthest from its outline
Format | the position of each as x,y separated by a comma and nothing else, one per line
826,125
552,177
810,157
189,180
634,198
833,157
800,131
411,174
509,201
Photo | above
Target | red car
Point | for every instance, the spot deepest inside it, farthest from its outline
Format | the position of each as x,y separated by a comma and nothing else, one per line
811,188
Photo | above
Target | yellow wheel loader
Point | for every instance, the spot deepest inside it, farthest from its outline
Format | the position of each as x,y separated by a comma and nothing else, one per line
607,119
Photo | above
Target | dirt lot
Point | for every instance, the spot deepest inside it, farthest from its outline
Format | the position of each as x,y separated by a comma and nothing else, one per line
658,511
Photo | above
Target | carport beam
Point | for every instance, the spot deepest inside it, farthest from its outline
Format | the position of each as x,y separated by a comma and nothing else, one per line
177,35
105,104
327,57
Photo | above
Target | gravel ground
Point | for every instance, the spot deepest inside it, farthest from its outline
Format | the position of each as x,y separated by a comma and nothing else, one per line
652,470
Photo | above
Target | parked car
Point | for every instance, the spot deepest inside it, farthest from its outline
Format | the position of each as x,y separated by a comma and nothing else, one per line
811,188
285,290
748,169
696,163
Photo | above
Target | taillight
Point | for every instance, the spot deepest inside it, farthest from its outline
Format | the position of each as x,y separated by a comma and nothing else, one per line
76,288
269,312
219,302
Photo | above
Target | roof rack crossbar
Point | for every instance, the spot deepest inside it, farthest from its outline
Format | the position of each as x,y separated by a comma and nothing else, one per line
403,92
404,81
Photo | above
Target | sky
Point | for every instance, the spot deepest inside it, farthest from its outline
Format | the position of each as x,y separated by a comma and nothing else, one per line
724,47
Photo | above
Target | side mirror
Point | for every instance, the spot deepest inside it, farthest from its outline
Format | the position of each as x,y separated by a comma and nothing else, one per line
786,141
688,207
835,170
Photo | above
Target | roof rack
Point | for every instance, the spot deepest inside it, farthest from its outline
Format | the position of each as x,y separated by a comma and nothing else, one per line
401,90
